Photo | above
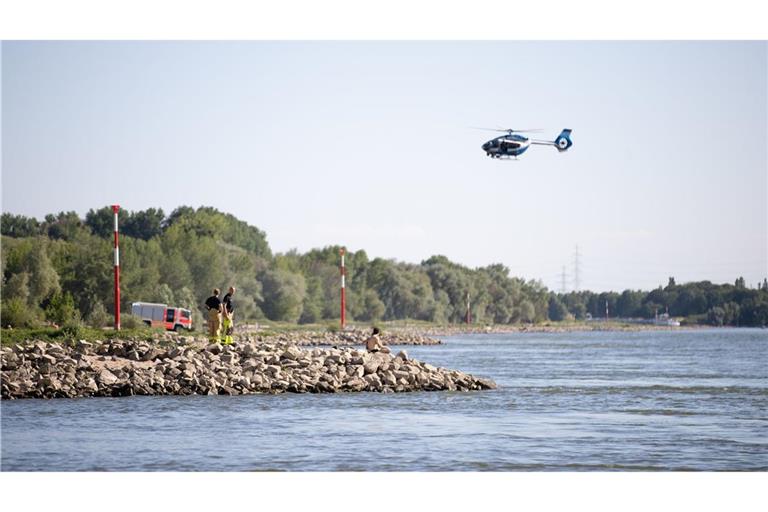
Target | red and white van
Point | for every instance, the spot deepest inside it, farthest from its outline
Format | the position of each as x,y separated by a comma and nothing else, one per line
161,315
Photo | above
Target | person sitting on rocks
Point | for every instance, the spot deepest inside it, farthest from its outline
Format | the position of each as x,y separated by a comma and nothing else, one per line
374,343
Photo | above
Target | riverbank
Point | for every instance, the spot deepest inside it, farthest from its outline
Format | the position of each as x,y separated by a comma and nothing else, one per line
135,367
436,331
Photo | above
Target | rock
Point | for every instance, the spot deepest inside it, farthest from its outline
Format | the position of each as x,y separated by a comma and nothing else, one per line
151,354
389,378
175,352
486,383
106,377
274,365
293,353
228,358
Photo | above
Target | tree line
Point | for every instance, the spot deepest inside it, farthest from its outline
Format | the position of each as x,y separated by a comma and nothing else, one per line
60,270
701,302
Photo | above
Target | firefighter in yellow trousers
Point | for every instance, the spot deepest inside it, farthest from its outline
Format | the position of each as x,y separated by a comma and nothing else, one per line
214,305
228,313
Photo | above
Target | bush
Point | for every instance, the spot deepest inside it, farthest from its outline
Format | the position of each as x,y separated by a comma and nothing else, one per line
61,309
130,322
98,316
73,329
16,313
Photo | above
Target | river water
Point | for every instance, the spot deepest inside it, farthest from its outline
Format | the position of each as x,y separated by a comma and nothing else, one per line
594,401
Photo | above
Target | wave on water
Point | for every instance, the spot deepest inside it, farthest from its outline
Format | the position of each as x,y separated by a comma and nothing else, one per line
660,388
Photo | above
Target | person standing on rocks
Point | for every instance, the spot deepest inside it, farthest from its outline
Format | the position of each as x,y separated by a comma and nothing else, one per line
228,313
213,303
374,343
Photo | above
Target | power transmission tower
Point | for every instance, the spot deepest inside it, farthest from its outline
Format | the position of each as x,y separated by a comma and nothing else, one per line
576,269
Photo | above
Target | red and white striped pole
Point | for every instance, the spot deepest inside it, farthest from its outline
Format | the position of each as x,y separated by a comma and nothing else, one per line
469,311
343,289
115,209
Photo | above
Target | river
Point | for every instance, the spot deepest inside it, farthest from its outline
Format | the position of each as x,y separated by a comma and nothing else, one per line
586,401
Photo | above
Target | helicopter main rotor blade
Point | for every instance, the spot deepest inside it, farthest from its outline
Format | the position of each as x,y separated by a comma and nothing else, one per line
508,130
488,129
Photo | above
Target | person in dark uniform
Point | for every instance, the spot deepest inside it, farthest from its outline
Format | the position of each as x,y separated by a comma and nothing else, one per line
213,303
228,313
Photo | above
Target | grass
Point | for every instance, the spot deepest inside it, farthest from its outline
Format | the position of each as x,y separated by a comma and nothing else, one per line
10,337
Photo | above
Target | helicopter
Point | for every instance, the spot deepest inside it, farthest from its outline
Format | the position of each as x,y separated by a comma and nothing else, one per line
513,145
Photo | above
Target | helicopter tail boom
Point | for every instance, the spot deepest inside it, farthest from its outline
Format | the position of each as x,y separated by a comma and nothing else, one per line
562,142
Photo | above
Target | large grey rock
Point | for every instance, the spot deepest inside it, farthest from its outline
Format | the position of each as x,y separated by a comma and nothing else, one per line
106,377
293,353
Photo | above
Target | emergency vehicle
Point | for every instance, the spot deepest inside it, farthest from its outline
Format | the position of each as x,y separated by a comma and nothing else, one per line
161,315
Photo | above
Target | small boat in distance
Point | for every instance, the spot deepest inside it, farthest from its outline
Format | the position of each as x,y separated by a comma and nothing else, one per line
664,319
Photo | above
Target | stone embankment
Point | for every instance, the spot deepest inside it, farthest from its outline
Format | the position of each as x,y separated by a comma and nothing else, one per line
123,367
355,337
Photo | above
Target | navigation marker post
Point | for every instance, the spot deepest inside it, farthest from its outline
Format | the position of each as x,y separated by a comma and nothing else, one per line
115,209
343,288
469,311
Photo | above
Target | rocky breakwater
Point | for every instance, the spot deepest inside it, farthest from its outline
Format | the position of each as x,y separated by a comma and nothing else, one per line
356,337
123,368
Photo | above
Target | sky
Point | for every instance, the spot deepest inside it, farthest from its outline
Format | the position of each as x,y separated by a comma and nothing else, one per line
372,145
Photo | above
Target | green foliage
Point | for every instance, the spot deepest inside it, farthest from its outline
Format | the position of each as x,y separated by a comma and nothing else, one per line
557,310
64,225
19,226
373,307
144,224
698,302
64,262
73,329
101,222
61,309
283,295
17,287
15,336
98,317
527,311
131,322
17,313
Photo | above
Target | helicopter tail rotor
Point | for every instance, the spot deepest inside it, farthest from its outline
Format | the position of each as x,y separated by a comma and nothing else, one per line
563,141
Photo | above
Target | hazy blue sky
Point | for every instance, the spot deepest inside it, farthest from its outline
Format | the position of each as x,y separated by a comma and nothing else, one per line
369,145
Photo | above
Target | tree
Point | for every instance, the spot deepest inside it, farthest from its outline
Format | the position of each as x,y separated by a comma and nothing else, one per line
101,222
629,304
283,295
716,316
557,310
144,224
61,309
17,287
98,317
64,226
527,312
44,280
18,226
373,307
16,313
